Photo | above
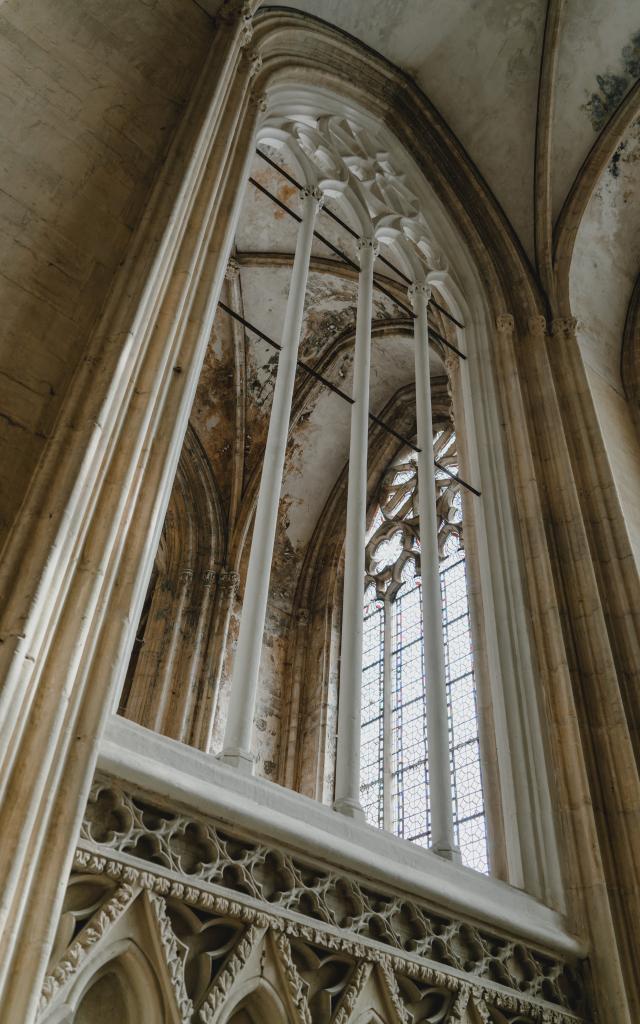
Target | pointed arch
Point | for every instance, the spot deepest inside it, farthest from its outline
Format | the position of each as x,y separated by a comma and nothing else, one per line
169,682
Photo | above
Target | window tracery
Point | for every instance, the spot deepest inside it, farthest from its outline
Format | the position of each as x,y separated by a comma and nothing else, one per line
394,763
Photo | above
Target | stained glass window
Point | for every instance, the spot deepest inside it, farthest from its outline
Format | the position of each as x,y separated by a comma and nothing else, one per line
394,768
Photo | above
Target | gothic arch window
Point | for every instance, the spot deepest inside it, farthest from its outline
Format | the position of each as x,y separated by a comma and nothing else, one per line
394,761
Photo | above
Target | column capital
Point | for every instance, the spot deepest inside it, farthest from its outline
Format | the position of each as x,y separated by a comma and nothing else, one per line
312,192
368,244
564,326
505,323
537,326
420,293
229,581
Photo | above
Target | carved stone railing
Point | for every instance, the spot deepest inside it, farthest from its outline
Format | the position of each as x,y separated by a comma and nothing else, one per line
221,910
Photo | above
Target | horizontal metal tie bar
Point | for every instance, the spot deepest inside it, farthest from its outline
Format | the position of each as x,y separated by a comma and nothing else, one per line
346,259
337,391
354,234
274,344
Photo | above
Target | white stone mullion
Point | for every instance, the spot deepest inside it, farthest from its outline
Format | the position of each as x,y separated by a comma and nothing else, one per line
347,787
244,684
387,725
440,793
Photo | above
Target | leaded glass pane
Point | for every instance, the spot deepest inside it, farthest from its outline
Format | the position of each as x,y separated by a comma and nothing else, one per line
393,589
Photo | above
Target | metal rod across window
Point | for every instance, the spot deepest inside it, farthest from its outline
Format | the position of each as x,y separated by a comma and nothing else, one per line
341,394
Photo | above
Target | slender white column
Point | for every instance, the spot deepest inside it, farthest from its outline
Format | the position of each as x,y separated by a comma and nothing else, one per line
347,791
244,683
442,837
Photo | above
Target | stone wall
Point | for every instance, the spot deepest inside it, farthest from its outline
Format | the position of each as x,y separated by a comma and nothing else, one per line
91,95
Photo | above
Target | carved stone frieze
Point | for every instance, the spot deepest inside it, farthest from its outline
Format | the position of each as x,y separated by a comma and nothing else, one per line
414,989
197,860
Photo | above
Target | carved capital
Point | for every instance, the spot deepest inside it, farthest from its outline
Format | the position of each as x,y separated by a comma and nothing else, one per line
185,575
564,327
229,581
367,244
209,578
505,323
419,293
311,192
537,326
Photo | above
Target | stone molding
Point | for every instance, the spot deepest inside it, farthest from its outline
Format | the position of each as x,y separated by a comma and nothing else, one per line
174,960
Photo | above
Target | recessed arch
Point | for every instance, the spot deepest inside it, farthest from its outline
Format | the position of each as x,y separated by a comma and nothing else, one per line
255,1001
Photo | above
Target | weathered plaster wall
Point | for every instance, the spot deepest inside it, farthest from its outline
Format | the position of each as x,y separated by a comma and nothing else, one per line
605,265
598,61
91,94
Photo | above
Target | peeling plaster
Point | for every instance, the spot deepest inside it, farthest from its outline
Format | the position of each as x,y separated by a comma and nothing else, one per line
614,87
